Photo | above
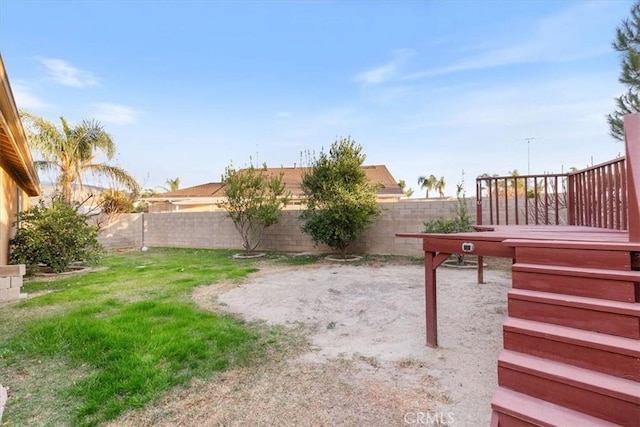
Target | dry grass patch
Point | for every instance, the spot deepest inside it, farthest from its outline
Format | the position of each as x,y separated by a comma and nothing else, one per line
291,393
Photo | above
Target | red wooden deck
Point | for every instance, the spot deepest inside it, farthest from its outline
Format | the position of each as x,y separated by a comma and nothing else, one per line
572,334
501,241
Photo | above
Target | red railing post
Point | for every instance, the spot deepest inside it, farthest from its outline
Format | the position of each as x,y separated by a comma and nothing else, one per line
632,147
478,201
571,200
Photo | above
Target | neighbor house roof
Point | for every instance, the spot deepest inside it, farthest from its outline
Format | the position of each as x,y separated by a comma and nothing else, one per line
292,179
14,151
210,189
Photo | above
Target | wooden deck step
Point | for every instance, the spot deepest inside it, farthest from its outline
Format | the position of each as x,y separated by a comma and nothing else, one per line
582,390
603,353
609,259
592,314
516,409
588,282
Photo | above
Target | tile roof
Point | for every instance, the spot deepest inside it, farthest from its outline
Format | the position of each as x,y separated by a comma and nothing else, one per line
210,189
292,178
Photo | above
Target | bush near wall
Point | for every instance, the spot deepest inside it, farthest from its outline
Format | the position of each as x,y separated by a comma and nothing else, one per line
213,230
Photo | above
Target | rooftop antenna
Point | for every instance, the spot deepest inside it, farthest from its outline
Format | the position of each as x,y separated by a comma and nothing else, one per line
529,139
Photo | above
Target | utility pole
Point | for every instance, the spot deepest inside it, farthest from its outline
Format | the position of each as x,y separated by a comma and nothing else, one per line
529,139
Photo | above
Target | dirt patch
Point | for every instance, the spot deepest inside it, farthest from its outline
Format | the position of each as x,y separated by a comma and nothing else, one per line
47,275
367,363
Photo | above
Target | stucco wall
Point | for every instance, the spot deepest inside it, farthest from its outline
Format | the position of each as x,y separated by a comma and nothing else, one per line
8,208
215,230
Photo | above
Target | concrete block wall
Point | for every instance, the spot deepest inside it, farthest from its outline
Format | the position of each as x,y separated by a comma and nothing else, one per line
191,230
124,232
216,230
500,214
11,282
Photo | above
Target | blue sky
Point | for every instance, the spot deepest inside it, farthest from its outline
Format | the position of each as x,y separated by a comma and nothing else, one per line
438,87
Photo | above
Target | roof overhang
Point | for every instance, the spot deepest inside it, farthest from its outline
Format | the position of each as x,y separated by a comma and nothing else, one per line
184,200
15,156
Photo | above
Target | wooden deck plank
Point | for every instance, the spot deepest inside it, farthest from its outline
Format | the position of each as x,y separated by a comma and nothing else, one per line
586,257
592,287
593,393
532,411
493,238
604,353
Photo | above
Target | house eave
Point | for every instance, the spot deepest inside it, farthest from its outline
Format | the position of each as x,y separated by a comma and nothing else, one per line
14,149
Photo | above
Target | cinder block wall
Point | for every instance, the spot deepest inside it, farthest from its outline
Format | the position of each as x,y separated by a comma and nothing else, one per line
215,230
11,282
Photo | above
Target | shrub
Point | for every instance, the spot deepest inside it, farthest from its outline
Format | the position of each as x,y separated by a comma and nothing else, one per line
341,202
446,225
115,202
55,236
459,222
255,199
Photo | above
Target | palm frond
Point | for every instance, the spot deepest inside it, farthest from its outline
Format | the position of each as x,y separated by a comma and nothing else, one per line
42,135
119,175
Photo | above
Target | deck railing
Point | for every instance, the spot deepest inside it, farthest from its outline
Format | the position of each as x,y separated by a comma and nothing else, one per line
594,197
521,200
597,196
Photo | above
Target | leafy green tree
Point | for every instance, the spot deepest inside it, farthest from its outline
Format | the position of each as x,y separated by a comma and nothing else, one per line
428,183
254,202
71,152
340,201
403,186
627,42
55,236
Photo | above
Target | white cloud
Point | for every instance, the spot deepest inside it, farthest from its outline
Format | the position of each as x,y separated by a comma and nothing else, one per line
377,75
25,99
577,25
386,71
116,114
68,75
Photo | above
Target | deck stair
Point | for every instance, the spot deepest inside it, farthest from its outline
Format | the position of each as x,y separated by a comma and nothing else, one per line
571,339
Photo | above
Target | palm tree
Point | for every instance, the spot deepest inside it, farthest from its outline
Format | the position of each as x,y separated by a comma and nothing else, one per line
173,184
427,183
439,186
514,183
70,151
408,192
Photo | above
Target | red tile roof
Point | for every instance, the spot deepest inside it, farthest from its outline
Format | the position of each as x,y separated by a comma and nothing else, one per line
211,189
292,178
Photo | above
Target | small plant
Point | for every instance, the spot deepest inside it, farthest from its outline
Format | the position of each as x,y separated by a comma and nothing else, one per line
459,222
55,236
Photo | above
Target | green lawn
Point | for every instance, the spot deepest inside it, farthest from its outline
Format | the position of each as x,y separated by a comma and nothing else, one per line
104,342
